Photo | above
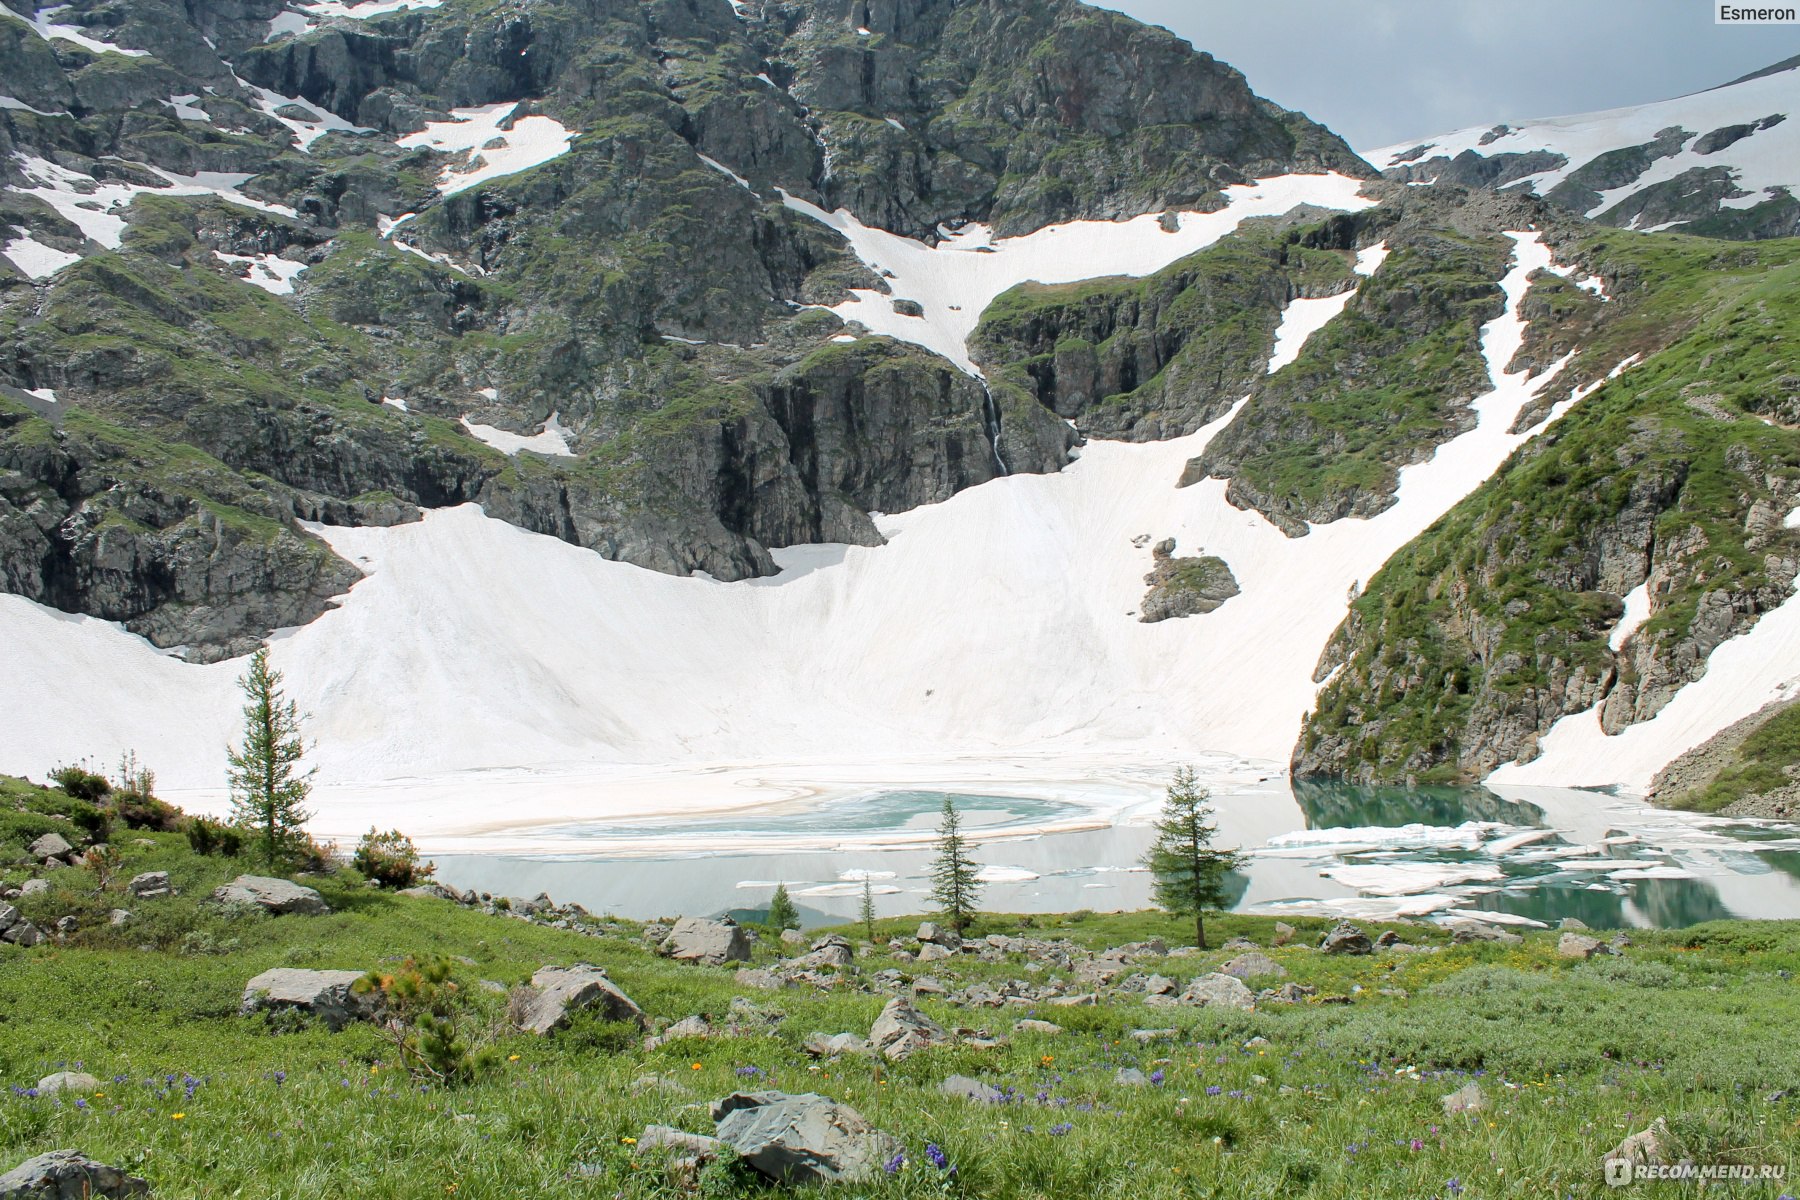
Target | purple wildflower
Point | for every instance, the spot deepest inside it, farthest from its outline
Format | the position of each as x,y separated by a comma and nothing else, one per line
1156,1076
1060,1130
936,1157
1214,1090
893,1165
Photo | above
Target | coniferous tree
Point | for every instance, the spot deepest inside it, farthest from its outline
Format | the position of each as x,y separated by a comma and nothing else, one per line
867,915
953,882
782,913
1187,871
268,789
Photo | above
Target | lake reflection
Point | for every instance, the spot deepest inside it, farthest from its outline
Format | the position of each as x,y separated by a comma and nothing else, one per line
1526,856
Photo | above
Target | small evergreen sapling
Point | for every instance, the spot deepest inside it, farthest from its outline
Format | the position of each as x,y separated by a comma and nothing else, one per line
1187,871
782,913
953,882
867,912
268,789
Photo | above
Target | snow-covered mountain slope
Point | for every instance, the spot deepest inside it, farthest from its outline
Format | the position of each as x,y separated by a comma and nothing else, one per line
1722,162
1002,621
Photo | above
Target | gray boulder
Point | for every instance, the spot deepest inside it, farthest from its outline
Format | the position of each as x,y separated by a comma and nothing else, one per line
1468,1098
278,896
67,1081
1579,945
151,885
1284,933
326,995
934,952
802,1139
695,939
1346,938
557,992
24,933
1130,1077
432,890
1467,929
932,933
34,887
1032,1025
1220,991
757,977
792,937
902,1030
1650,1147
833,1045
964,1088
50,845
118,917
68,1175
1254,965
832,950
9,916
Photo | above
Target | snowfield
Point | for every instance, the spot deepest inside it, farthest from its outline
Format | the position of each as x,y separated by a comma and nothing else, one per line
496,144
502,680
1764,162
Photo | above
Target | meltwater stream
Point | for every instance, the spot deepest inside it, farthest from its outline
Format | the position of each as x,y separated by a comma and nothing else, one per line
1530,856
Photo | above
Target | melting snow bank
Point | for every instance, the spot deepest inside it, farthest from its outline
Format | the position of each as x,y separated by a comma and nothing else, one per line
1743,674
552,439
93,206
957,279
269,272
495,144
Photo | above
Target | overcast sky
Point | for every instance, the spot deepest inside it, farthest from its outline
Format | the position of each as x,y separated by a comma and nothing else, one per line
1384,71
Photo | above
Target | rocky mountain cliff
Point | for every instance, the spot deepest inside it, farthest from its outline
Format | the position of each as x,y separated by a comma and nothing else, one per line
269,263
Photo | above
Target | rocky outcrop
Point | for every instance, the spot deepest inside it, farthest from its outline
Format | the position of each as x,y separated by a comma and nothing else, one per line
557,993
802,1139
901,1031
712,943
68,1175
1184,587
275,896
330,996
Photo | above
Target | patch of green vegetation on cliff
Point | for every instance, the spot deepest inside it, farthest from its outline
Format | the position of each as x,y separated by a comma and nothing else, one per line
1488,627
1312,1100
1761,765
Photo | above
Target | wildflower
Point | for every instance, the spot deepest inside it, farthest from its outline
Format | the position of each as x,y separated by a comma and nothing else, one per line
1046,1060
1060,1130
1454,1187
81,1104
281,1077
893,1165
512,1058
935,1156
627,1141
1156,1076
696,1067
1214,1090
1417,1145
176,1116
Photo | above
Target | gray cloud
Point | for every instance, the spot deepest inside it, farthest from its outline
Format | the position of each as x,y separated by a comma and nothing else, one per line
1382,71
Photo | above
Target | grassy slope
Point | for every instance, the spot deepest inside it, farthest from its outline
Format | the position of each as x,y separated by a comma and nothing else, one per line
1574,1056
1728,317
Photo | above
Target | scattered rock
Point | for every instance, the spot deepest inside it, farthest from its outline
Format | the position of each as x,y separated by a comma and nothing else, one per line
1130,1077
1467,929
34,887
1284,933
151,885
792,937
9,916
1468,1098
278,896
802,1139
925,985
757,977
902,1030
1576,945
1224,991
24,933
942,935
933,952
1572,923
326,995
696,1146
557,992
832,950
118,917
1079,1000
433,890
1254,965
1346,938
68,1175
1160,985
1145,1037
50,845
971,1089
714,943
66,925
1649,1147
834,1045
67,1081
1032,1025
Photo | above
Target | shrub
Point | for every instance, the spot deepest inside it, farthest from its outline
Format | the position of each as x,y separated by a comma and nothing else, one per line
206,836
425,1015
390,859
81,783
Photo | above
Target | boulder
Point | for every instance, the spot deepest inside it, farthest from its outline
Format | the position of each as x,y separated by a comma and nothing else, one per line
433,890
1467,929
24,933
278,896
34,887
1145,1037
1254,965
832,950
67,1081
118,917
965,1088
690,1150
9,916
151,885
934,952
757,977
1160,985
1651,1147
1346,938
1579,945
688,1027
695,939
1216,990
1466,1099
1575,923
832,1045
1284,933
326,995
1078,1000
1130,1077
67,925
1032,1025
68,1175
931,932
557,992
902,1030
802,1139
50,845
792,937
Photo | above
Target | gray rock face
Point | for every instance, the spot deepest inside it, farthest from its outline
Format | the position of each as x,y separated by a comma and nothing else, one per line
50,845
1221,991
1346,938
802,1139
714,943
326,995
965,1088
68,1175
1254,965
67,1081
558,992
151,885
902,1030
1185,587
278,896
